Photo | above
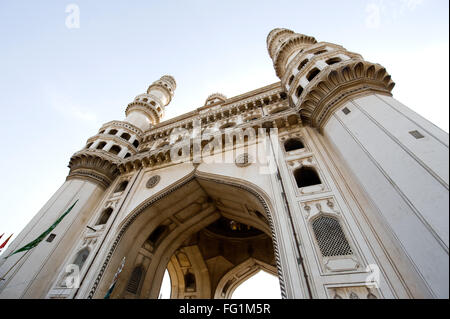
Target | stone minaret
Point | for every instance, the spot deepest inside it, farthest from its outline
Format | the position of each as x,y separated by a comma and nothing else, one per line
118,140
148,109
399,159
92,170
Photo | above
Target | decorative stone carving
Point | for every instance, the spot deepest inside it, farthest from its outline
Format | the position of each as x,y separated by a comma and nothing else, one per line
99,168
334,85
153,181
353,292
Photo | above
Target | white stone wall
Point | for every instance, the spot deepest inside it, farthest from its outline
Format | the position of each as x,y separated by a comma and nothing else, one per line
405,178
32,276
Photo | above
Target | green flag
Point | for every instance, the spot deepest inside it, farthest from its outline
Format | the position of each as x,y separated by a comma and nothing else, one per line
35,242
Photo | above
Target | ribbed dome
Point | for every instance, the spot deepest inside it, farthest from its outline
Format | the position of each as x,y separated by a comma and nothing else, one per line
215,97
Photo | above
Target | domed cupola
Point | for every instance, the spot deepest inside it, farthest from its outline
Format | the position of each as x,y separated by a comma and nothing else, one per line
215,99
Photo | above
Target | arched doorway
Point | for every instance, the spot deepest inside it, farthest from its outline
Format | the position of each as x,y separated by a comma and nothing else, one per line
200,230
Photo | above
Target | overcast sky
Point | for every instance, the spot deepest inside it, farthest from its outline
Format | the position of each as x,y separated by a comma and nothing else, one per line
59,85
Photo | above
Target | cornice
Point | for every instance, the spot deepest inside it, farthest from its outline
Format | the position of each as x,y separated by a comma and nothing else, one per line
125,125
336,83
97,167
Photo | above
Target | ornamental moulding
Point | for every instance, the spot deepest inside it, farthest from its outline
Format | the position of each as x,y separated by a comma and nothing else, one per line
328,90
93,167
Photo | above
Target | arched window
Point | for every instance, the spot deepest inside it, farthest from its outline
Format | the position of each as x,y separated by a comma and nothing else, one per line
115,149
105,216
290,80
330,237
320,52
312,74
145,99
189,282
121,187
101,132
135,143
125,136
299,91
89,145
127,155
302,64
81,257
293,144
306,176
101,145
112,132
333,61
135,280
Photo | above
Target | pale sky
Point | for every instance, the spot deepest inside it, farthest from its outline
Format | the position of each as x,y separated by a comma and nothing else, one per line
59,85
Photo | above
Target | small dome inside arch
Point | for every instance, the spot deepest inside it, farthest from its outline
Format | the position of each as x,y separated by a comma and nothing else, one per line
215,98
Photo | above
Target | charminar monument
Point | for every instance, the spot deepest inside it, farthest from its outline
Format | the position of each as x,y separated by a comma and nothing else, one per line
322,179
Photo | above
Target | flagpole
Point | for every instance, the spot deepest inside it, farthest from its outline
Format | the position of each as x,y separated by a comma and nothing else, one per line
3,277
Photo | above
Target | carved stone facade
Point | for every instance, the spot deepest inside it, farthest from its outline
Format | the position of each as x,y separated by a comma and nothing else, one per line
322,179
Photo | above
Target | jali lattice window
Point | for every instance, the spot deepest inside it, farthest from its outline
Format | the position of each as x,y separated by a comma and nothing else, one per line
330,237
135,280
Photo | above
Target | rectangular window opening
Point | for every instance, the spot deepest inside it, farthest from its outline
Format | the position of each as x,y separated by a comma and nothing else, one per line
51,237
416,134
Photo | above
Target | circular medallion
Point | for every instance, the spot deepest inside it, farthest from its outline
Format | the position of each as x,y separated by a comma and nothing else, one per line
243,160
153,181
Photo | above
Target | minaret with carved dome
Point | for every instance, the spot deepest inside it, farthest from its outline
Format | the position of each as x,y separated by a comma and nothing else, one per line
118,140
316,73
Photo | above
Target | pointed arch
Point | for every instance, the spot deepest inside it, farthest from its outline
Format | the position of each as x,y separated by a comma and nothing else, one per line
238,275
306,176
173,241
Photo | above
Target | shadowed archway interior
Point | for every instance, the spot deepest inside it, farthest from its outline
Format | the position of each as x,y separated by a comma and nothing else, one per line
210,237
